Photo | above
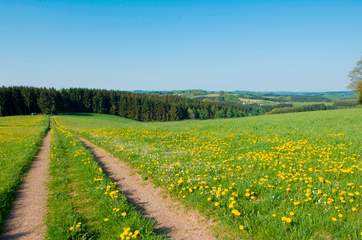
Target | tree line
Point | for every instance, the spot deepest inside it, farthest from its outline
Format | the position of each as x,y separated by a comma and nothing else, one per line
142,107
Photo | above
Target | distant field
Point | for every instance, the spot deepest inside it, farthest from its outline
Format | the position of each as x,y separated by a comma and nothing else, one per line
298,104
270,98
290,176
256,101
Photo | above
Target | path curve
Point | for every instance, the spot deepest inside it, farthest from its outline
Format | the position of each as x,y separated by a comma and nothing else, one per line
179,222
27,217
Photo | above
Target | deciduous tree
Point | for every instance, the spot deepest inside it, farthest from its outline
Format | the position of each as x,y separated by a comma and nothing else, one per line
356,79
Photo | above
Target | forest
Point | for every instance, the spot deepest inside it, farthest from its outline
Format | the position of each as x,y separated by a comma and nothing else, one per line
142,107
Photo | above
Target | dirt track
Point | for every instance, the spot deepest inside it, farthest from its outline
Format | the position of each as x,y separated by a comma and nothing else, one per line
27,218
171,217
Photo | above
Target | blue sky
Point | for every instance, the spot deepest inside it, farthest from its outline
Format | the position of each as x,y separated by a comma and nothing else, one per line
164,45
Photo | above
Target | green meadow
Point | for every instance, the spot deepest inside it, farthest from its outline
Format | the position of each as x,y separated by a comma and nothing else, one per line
288,176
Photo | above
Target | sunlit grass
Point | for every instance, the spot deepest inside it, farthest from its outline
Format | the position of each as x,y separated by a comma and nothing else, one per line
84,203
292,176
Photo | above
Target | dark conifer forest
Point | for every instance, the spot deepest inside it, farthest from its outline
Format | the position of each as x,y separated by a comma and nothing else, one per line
142,107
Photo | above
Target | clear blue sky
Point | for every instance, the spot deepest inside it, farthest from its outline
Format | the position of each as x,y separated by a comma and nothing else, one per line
130,44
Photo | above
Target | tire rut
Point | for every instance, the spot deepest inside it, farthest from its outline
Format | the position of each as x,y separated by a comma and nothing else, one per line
171,216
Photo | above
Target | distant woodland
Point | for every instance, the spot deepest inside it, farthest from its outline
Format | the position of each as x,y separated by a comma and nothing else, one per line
142,107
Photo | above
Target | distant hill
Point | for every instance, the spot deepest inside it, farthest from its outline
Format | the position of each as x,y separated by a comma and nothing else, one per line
277,101
267,97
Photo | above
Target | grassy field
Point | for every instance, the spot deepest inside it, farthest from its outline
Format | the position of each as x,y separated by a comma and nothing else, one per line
290,176
20,138
299,104
83,202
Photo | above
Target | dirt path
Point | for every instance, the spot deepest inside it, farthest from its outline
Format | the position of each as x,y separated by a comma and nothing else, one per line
26,220
171,217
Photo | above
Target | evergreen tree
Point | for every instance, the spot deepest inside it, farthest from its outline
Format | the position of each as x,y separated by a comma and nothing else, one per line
143,107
